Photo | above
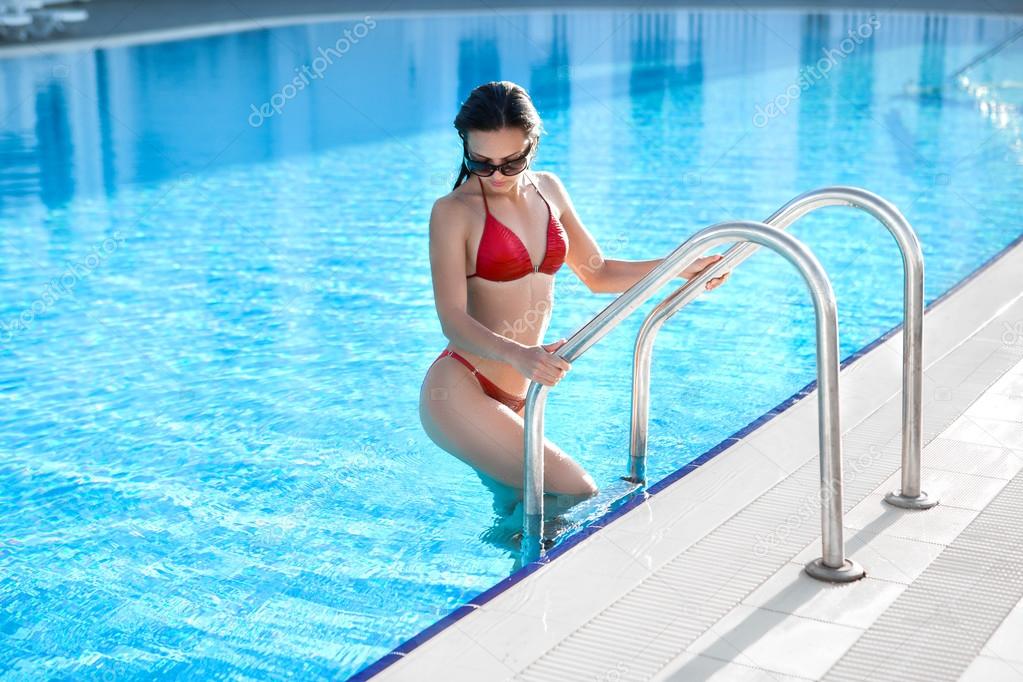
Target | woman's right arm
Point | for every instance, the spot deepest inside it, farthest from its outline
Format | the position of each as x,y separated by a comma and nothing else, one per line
448,234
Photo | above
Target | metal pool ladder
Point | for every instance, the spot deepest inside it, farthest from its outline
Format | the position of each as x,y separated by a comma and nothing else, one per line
833,565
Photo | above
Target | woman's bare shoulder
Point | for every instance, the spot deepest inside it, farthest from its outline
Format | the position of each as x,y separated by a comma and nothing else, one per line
551,183
462,198
458,204
552,188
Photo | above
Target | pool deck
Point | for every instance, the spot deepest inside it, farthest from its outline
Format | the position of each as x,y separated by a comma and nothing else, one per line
704,579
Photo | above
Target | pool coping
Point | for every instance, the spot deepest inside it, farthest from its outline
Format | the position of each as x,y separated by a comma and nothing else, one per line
424,635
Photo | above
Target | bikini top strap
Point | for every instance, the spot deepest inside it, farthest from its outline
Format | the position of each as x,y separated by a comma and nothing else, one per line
538,190
485,207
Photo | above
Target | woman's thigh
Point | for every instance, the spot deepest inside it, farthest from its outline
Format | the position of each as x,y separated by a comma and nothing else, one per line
486,434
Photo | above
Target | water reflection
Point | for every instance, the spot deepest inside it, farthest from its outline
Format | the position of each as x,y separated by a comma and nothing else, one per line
932,61
88,122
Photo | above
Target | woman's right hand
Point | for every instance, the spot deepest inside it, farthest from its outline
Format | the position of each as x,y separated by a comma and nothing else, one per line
538,363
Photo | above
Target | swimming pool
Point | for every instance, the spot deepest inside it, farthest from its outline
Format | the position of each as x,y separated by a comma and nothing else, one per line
217,311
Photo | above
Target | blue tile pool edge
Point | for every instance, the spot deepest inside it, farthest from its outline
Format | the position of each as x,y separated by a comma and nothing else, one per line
479,600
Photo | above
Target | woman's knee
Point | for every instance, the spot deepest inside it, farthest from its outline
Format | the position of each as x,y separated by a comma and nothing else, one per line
564,476
578,486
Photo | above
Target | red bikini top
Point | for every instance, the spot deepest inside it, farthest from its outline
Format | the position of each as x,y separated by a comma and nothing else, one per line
503,257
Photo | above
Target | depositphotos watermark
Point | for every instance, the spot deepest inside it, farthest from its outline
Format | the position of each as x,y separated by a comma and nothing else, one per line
61,287
310,72
810,75
810,507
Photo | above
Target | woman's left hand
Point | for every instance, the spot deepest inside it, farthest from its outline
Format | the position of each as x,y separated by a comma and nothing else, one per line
701,264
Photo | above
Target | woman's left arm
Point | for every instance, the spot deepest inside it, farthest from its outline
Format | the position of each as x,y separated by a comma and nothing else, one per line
604,275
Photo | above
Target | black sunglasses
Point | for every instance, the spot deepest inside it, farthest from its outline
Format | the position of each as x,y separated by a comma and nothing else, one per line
485,169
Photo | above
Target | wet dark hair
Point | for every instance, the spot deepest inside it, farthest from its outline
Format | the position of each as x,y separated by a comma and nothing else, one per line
496,105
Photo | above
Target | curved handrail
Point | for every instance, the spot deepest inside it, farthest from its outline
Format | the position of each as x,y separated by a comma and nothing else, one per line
910,496
957,76
833,565
984,56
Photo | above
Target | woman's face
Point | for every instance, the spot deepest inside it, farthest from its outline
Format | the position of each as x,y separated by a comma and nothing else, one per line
497,147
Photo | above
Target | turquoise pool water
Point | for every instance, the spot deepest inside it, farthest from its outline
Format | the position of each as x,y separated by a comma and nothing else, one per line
216,305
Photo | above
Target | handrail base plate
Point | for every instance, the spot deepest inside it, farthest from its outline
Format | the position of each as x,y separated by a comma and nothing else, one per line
921,501
849,572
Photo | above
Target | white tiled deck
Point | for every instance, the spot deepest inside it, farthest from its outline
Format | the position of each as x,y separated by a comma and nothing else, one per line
704,580
769,631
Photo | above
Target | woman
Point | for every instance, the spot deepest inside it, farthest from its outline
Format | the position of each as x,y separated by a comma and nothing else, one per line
496,242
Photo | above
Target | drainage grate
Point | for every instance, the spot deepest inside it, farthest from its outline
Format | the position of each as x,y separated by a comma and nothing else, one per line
939,624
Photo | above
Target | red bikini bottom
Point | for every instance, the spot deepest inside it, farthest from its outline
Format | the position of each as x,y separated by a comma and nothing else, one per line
488,386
